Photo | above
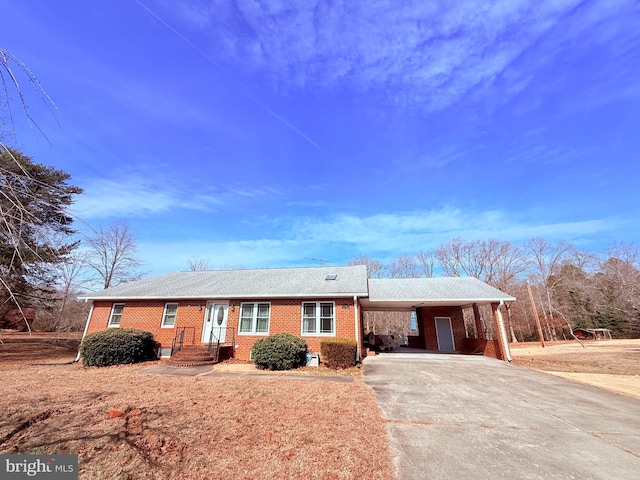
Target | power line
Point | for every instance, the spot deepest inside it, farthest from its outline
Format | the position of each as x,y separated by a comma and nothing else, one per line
246,91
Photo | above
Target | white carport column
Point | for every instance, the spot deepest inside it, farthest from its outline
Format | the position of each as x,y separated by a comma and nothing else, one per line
356,315
501,331
84,334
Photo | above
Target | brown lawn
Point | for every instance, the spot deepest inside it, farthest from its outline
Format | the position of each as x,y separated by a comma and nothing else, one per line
610,364
125,425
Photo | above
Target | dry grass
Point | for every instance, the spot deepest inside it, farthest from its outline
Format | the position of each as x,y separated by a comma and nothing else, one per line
610,364
127,426
20,348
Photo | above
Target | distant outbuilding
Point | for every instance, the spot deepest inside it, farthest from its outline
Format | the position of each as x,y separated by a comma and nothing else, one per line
592,333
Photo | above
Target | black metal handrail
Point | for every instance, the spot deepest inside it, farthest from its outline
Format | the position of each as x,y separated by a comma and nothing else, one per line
216,341
184,335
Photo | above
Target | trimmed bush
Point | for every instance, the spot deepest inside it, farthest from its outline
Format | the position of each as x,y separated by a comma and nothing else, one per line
338,352
281,351
117,346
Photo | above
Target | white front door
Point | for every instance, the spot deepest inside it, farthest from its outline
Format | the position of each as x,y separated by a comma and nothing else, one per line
215,322
444,333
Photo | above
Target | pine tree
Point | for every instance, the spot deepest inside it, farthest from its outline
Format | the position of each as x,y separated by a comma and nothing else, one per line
34,228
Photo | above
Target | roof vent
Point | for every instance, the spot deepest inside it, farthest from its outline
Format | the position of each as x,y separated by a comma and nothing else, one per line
331,276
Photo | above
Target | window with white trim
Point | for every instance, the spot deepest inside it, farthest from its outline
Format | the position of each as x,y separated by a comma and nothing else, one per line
254,318
169,316
116,315
318,318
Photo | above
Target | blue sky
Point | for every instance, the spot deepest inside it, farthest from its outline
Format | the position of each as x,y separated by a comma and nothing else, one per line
269,133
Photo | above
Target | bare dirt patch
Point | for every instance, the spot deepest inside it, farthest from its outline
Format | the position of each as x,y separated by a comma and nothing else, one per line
610,364
129,426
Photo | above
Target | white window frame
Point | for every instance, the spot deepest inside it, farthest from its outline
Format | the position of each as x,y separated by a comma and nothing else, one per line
113,314
317,332
254,319
164,315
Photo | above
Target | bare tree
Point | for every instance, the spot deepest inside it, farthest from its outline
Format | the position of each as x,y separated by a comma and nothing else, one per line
199,263
493,261
404,266
427,261
450,257
11,68
71,278
473,259
506,263
547,259
375,269
113,254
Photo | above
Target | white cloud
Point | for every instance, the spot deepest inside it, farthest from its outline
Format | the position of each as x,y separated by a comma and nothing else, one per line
411,231
144,191
424,54
297,241
259,253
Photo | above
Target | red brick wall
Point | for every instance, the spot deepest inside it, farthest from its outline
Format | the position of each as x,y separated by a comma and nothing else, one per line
147,315
286,316
488,348
427,318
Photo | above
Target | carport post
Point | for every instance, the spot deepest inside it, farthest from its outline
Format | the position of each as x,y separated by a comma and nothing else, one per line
501,332
478,320
86,328
357,320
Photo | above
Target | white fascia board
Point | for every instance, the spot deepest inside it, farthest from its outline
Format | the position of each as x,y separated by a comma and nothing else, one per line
225,297
442,300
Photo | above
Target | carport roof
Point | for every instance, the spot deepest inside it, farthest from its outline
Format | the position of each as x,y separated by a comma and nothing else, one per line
409,293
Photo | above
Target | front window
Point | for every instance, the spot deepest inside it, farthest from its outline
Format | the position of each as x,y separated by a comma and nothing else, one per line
254,318
318,318
169,317
116,315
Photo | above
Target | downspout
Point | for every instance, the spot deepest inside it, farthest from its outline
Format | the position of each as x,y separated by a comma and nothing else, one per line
357,323
503,332
86,327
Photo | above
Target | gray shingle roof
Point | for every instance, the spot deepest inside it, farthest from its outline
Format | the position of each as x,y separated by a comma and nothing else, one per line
432,291
261,283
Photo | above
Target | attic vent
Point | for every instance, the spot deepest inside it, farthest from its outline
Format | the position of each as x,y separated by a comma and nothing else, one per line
331,276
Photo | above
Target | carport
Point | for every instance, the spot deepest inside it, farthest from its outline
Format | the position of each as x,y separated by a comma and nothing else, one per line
439,305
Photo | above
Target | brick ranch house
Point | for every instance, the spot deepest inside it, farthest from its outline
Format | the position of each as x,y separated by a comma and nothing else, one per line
234,308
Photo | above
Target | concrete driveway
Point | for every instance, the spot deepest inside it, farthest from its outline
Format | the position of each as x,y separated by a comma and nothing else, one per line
471,417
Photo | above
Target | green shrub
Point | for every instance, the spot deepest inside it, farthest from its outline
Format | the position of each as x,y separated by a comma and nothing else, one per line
281,351
338,352
117,346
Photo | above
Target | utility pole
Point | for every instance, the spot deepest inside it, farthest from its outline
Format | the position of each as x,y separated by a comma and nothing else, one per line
535,314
